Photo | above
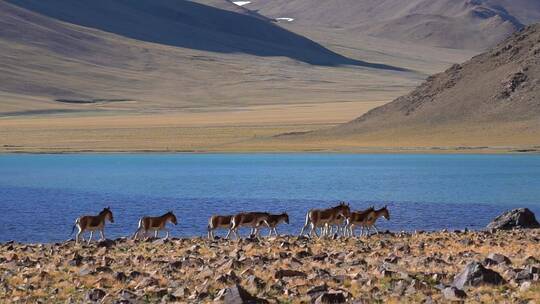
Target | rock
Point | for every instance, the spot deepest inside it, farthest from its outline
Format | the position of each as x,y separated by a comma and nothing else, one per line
120,276
104,269
527,273
320,257
316,291
127,295
238,295
106,243
255,283
331,298
489,262
499,258
283,273
525,286
517,218
175,265
160,242
76,260
474,274
531,260
181,292
454,294
95,295
303,254
147,282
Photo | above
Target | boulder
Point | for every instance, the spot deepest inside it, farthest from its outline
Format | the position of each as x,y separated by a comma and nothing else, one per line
95,295
331,298
284,273
238,295
499,258
106,243
454,294
517,218
474,274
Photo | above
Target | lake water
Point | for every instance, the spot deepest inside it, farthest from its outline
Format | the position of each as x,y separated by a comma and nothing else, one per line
41,195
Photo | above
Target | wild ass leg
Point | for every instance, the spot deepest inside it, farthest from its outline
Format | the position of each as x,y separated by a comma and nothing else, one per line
102,234
305,225
376,230
312,230
91,235
156,232
78,235
167,234
228,234
136,234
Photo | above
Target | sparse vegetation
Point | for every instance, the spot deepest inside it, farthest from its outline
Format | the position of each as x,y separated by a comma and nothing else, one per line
389,268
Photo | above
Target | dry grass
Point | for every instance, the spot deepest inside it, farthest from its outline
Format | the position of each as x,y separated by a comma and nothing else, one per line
351,265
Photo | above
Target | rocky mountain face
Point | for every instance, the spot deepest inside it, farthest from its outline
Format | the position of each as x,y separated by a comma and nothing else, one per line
499,86
467,24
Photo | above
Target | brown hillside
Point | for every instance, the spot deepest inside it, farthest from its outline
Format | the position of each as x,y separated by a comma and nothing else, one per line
491,100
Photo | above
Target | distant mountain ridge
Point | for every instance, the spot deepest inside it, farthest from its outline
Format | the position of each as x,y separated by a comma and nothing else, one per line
209,25
495,92
466,24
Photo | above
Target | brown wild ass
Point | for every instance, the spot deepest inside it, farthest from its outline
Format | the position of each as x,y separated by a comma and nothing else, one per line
358,219
253,220
339,223
155,224
323,218
374,216
92,223
276,219
219,221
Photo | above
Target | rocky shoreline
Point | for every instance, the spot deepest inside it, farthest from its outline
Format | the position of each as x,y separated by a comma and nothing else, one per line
423,267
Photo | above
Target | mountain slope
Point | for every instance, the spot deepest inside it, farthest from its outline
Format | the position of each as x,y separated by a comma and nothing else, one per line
224,28
494,94
168,55
466,24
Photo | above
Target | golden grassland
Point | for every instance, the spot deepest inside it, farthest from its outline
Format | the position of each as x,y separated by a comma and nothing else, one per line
386,268
246,129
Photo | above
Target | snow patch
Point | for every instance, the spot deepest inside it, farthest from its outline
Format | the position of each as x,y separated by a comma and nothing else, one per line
285,19
241,3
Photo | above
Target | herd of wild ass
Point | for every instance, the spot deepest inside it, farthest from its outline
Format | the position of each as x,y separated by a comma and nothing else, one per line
338,220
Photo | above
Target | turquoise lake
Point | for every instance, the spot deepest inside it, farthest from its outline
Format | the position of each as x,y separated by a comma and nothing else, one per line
41,195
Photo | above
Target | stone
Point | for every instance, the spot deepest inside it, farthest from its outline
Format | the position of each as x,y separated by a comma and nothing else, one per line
106,243
95,295
525,286
454,294
181,292
238,295
175,265
474,274
76,260
531,260
284,273
331,298
316,291
499,258
120,276
517,218
127,295
255,283
527,273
